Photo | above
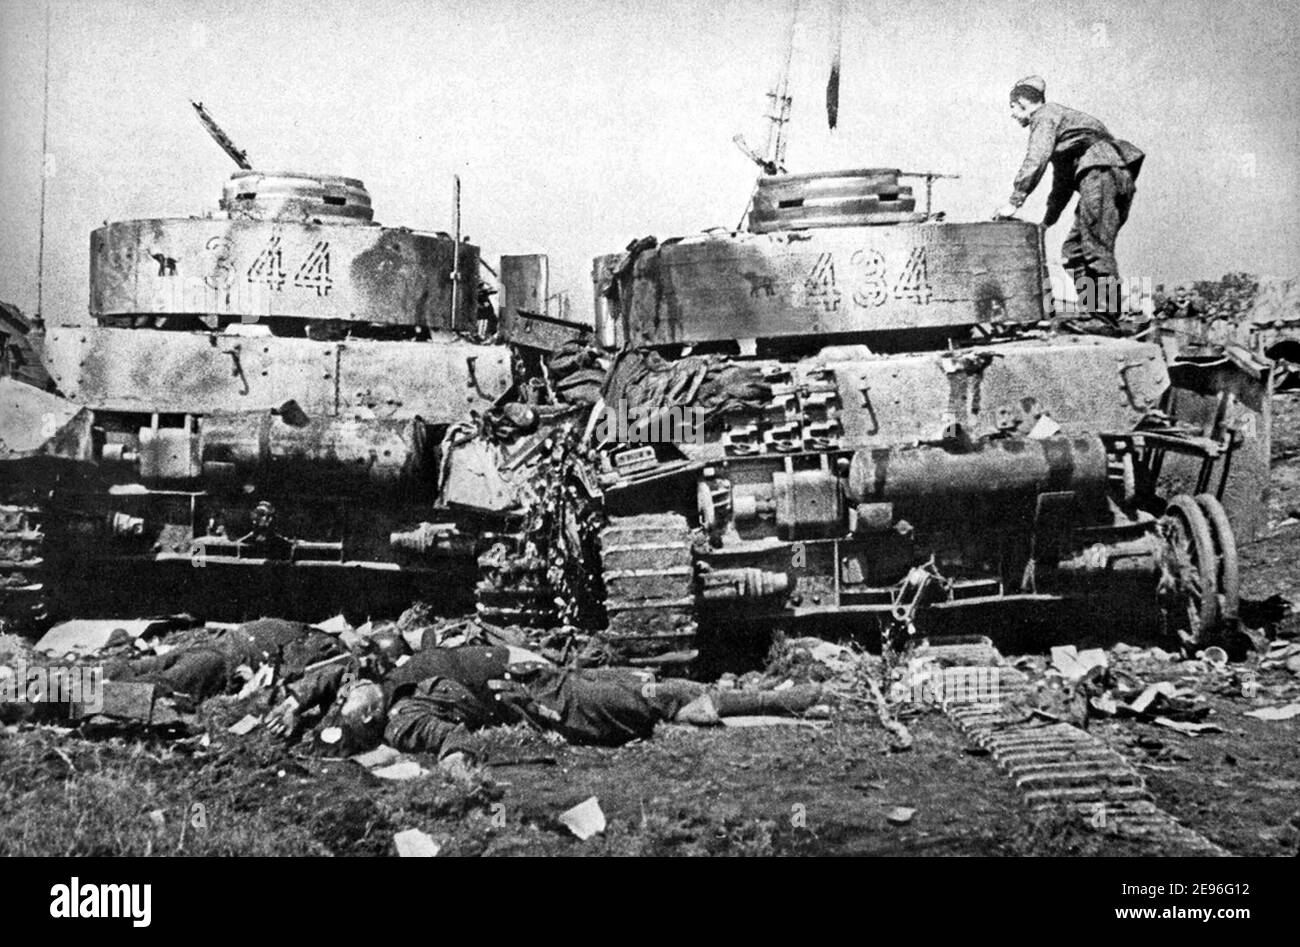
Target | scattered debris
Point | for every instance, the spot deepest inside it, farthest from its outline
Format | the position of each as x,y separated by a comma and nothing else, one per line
82,637
1214,656
380,756
1104,704
1074,664
244,726
1128,652
585,819
335,626
412,843
1144,700
900,815
258,680
901,737
1187,728
401,771
1282,654
1275,713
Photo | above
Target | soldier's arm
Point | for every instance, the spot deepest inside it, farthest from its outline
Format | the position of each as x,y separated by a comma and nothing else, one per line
317,689
1058,197
1042,142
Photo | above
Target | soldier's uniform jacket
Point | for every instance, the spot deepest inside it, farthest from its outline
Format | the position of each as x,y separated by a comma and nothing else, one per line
1073,142
435,698
205,669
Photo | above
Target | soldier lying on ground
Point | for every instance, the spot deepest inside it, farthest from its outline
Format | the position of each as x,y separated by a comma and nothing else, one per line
432,702
223,664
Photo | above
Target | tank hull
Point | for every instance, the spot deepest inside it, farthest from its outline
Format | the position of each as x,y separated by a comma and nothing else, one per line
889,431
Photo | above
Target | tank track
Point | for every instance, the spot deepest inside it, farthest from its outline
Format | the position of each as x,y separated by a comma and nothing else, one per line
23,603
648,568
1056,765
513,585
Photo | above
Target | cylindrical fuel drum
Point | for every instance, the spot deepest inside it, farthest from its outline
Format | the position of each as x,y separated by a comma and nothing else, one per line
1002,471
326,455
287,246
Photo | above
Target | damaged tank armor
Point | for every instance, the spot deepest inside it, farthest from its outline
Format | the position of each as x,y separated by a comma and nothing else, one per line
282,393
893,430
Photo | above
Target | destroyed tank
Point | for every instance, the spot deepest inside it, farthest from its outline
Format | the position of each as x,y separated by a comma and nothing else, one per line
281,397
857,413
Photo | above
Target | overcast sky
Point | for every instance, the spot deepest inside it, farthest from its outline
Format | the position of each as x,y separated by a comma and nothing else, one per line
577,125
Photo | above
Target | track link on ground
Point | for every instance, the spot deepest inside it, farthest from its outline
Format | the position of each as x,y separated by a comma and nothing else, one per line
23,605
1054,764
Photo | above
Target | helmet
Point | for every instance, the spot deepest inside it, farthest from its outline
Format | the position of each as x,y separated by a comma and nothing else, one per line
382,652
391,645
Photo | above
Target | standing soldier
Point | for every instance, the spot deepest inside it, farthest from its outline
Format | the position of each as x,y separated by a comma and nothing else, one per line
1087,158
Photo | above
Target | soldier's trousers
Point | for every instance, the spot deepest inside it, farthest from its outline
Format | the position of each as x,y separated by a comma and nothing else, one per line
1105,195
437,717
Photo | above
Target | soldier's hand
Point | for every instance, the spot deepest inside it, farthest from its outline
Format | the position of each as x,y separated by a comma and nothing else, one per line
1005,212
458,766
282,720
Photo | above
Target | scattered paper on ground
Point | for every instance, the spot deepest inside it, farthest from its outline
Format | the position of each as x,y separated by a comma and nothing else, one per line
900,815
1275,713
585,819
1188,728
335,626
412,843
1144,700
245,725
263,677
379,756
87,636
1074,664
406,769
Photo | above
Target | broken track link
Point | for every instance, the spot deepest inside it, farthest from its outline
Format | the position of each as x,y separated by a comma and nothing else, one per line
23,603
1056,765
648,568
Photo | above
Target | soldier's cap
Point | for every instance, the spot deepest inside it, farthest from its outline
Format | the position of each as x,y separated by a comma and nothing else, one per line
1037,83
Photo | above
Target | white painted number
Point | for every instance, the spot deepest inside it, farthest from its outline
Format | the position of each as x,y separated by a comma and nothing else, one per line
914,283
870,269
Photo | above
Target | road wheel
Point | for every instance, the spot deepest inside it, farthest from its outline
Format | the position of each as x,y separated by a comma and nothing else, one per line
1225,549
1191,607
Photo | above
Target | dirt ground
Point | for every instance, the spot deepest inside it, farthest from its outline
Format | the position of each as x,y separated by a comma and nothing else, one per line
824,789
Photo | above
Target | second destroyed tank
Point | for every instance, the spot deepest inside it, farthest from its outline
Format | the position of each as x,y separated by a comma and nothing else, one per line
282,396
